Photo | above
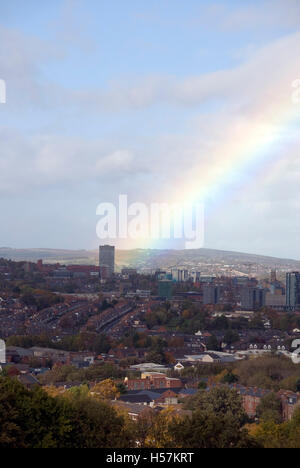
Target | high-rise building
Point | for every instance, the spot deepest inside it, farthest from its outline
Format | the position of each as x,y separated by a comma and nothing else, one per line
253,298
165,288
273,276
195,275
211,294
107,258
293,290
179,275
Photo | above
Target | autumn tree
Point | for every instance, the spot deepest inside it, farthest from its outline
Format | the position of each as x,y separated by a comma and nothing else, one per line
206,429
220,400
270,408
159,435
107,389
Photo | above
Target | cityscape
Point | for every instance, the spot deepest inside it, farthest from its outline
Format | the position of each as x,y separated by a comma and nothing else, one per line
149,234
146,343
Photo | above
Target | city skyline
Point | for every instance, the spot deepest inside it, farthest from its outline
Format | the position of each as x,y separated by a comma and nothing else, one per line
163,102
149,238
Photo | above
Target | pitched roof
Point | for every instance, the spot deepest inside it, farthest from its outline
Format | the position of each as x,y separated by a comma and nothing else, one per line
140,398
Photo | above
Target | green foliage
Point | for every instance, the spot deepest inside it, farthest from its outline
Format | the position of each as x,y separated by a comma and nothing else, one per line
220,323
81,342
269,408
213,344
221,401
202,385
230,378
95,372
270,372
24,341
206,429
231,337
40,299
86,342
189,320
121,388
33,419
270,434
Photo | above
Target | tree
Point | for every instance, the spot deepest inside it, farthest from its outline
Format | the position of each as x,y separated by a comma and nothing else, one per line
34,419
156,356
213,344
121,388
28,299
145,422
230,378
202,385
97,425
39,421
206,429
220,400
159,435
271,435
11,435
270,408
106,389
220,323
231,337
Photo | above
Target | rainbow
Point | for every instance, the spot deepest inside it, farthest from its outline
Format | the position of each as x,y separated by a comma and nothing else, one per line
252,147
248,154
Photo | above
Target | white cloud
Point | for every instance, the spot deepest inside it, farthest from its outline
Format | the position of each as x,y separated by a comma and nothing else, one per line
267,75
249,101
28,162
263,14
250,96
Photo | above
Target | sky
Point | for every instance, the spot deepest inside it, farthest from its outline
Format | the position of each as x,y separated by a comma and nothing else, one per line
161,100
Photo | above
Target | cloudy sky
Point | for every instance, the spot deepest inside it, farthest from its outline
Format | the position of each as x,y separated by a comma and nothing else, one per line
162,100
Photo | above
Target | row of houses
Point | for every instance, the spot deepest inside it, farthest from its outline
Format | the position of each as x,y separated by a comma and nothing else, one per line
152,380
18,355
251,397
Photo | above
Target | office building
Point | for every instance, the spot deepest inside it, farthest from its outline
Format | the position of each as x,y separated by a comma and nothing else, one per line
179,275
275,301
211,294
293,291
107,259
253,298
165,288
273,276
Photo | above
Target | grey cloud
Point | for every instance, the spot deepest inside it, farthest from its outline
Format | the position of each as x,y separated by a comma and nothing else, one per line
28,162
265,14
21,58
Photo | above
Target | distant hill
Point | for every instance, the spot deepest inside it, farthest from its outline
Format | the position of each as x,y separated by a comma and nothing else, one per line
48,255
151,259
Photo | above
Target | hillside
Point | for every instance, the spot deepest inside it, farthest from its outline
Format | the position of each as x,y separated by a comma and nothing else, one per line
207,260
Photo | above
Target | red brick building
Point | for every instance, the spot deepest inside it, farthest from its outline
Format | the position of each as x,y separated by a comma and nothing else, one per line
152,382
289,401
